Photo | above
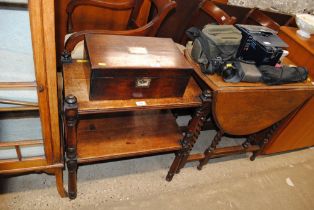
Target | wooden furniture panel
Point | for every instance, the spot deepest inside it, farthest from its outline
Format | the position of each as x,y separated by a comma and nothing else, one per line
220,16
144,132
298,132
161,10
90,139
139,52
221,1
250,111
76,82
256,16
301,51
119,63
91,14
42,24
177,23
208,12
30,165
82,19
140,11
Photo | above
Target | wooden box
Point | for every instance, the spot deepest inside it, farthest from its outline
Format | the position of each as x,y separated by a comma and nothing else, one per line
126,67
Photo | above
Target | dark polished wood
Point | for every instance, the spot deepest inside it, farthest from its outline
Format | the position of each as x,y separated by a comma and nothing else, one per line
76,82
221,152
210,150
256,16
125,67
13,6
163,7
88,17
177,23
144,132
215,14
111,129
193,130
220,16
173,26
120,12
71,118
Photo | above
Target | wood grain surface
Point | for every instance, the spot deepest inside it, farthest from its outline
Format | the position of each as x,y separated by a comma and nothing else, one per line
119,63
120,52
143,132
298,131
243,112
301,51
297,134
77,79
245,108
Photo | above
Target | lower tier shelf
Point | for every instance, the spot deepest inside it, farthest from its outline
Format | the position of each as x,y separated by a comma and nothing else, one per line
127,134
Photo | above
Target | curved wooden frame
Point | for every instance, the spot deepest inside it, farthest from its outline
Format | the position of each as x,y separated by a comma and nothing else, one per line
220,16
150,29
42,24
291,22
211,9
259,17
250,111
128,5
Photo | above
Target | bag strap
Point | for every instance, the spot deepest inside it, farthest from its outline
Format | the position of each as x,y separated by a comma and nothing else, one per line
194,33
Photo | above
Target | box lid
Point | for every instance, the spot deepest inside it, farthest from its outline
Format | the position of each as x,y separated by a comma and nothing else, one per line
131,52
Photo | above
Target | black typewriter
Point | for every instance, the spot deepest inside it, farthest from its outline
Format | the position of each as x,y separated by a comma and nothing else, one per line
260,44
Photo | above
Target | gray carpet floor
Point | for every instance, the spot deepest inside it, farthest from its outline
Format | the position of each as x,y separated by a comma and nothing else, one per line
282,181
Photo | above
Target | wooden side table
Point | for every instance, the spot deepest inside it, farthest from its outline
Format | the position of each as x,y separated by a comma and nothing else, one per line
245,109
111,129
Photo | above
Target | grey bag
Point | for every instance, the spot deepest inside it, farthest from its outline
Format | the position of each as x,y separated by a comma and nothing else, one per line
214,45
249,72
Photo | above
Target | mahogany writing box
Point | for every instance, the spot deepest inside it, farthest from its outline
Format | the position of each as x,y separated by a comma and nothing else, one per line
125,67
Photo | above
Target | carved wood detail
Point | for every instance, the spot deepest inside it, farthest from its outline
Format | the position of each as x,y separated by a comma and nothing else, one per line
194,127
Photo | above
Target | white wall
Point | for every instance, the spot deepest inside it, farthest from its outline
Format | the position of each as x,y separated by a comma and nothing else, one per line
286,6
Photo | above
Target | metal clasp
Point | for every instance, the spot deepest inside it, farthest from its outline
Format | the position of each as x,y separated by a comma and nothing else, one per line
143,82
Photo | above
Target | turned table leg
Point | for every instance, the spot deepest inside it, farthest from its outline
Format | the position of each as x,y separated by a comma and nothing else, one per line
71,117
248,141
194,127
265,141
174,166
209,151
